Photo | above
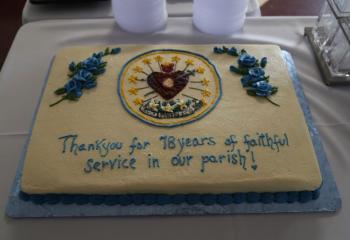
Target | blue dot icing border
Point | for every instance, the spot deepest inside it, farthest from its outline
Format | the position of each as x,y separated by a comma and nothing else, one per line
176,124
176,199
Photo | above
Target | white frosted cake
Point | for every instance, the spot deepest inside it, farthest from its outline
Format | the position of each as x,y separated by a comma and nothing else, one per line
169,120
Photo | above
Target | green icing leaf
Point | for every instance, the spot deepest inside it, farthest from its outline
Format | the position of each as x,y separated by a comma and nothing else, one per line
60,91
71,96
274,90
107,51
251,92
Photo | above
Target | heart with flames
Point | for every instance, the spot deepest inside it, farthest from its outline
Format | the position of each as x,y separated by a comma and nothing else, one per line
167,81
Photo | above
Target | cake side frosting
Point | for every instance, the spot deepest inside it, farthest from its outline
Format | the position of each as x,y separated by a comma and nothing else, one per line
142,158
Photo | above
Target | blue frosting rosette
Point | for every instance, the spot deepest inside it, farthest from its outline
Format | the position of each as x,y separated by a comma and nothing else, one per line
83,75
252,70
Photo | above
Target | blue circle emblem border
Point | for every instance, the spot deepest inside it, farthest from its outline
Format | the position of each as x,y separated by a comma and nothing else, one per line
172,124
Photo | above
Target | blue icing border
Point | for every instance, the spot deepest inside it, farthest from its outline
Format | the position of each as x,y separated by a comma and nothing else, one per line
176,124
163,199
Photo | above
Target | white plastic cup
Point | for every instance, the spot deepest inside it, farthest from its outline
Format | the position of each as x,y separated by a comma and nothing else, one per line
219,17
140,16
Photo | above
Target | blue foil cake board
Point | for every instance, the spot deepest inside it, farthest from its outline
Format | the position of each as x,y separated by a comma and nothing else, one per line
328,201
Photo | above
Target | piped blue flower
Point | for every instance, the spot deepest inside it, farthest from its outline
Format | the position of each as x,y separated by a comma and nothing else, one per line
218,50
253,75
245,80
256,72
92,64
74,87
246,61
232,51
83,76
262,89
90,84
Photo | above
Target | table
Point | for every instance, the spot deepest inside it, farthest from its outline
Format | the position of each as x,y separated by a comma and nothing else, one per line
103,9
23,74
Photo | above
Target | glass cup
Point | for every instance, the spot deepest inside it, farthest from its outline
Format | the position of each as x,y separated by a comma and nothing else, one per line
219,17
140,16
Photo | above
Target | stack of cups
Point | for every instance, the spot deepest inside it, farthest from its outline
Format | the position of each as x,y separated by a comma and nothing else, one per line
140,16
219,17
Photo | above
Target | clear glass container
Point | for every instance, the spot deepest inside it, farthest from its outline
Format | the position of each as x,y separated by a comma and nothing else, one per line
327,24
341,7
337,52
330,40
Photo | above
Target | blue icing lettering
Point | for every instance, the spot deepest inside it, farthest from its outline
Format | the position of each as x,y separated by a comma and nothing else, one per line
102,146
88,167
181,160
72,145
265,140
153,162
111,164
138,145
82,147
168,142
171,142
254,166
91,147
232,157
231,141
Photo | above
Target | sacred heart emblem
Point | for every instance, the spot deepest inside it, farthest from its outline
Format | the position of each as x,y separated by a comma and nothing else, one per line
169,87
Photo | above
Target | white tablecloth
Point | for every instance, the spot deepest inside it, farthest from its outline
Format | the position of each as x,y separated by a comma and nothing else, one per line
23,75
91,10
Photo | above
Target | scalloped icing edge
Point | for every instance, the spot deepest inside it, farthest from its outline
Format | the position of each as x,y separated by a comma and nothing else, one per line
164,199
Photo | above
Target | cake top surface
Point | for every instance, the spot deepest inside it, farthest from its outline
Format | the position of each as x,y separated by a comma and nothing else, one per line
169,119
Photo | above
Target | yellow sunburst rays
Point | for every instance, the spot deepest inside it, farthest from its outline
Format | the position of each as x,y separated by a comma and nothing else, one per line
188,96
200,70
141,101
150,98
135,91
204,92
138,101
159,59
134,79
175,59
205,82
147,62
189,62
139,69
